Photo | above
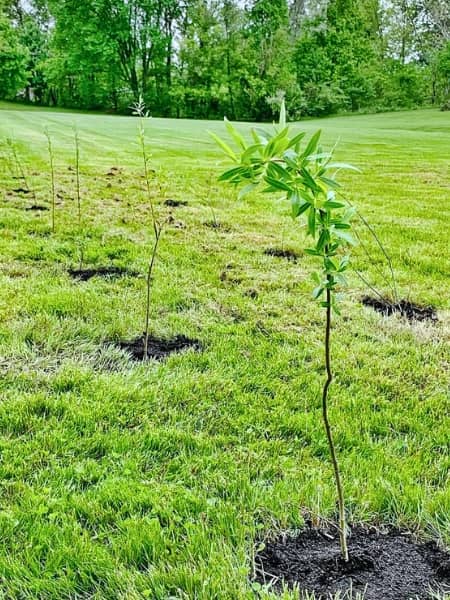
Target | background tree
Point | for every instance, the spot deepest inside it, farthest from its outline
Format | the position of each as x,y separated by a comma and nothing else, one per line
207,58
13,55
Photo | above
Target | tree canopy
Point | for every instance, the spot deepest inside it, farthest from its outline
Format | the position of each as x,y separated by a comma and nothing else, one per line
209,58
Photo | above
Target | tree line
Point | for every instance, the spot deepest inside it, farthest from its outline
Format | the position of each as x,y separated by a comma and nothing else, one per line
209,58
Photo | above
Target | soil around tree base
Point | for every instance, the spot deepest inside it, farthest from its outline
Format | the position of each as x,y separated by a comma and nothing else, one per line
158,348
281,253
388,566
86,274
37,207
175,203
413,312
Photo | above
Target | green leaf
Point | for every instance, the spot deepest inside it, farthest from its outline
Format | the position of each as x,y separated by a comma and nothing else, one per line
341,225
329,204
277,144
277,184
317,292
312,221
312,144
296,139
339,165
225,147
308,180
318,156
322,241
246,190
312,252
299,206
250,151
344,263
330,182
347,237
329,265
264,137
237,137
234,173
276,170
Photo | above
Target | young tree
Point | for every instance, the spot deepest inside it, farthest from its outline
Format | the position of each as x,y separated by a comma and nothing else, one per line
307,177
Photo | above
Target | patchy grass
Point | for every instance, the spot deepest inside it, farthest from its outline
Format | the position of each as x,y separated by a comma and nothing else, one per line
125,480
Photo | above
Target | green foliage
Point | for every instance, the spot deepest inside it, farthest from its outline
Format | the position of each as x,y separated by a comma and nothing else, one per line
306,175
13,60
204,59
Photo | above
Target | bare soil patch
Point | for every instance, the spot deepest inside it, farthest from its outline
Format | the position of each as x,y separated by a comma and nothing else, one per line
107,272
282,253
175,203
388,565
413,312
158,348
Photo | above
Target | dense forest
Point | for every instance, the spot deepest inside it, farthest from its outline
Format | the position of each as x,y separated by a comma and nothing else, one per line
207,58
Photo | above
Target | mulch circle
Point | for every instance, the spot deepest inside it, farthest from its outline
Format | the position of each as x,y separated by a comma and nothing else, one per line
217,225
37,207
281,253
86,274
413,312
391,565
158,348
21,190
175,203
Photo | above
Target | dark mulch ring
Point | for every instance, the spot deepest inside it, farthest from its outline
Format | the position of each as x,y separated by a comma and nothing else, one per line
158,348
217,225
175,203
281,253
413,312
21,190
86,274
37,207
388,566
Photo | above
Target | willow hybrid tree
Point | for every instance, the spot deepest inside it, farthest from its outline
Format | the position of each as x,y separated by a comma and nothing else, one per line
306,175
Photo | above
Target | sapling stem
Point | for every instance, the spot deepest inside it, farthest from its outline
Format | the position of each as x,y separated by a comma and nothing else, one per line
81,240
19,167
331,446
77,173
52,176
139,110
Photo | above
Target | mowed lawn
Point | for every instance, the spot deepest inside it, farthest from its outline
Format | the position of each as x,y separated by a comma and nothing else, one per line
159,480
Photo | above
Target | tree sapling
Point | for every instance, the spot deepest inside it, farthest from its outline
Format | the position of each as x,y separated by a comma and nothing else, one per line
52,176
81,239
140,111
307,177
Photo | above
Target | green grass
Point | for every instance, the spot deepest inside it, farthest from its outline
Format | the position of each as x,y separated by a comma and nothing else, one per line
124,480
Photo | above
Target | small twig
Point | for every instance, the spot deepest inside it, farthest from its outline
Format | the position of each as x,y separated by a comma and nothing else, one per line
77,172
52,175
374,290
378,241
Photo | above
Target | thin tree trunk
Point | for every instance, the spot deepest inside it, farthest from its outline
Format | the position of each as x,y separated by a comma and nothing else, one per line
337,476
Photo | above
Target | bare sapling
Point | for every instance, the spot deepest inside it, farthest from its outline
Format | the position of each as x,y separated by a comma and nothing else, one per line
19,167
81,240
52,177
139,110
